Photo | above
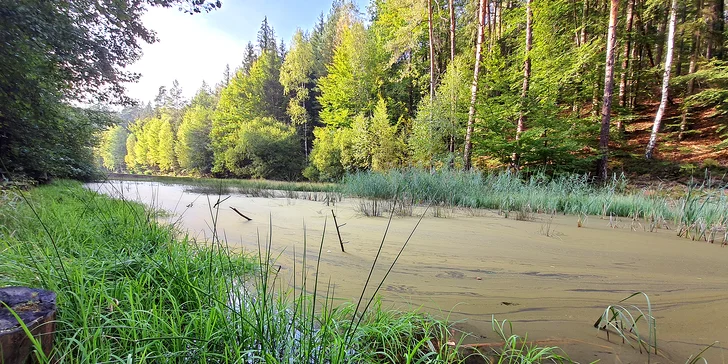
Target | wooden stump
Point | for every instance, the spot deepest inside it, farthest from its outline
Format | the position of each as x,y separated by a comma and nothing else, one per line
37,309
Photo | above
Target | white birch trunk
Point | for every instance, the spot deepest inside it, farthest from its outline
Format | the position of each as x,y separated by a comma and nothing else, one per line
665,82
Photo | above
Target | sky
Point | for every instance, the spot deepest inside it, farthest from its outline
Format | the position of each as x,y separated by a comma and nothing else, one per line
193,48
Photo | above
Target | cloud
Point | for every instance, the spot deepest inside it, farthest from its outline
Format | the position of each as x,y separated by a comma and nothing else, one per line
189,50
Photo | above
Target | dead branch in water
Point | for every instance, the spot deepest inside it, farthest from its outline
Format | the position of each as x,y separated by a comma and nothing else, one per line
241,214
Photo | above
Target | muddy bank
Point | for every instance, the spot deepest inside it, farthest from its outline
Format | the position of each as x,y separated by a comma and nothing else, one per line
475,264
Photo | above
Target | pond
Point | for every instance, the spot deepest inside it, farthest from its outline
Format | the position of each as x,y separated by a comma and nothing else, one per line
549,277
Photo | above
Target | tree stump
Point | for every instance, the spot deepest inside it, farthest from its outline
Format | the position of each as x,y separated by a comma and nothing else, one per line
37,309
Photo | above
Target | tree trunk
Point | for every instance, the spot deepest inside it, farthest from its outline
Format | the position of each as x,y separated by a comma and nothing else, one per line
637,57
608,90
432,52
665,82
584,21
660,46
716,26
694,54
452,96
524,91
626,54
37,309
452,30
695,47
474,88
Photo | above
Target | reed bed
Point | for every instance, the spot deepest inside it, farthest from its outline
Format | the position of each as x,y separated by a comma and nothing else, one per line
700,212
255,187
130,291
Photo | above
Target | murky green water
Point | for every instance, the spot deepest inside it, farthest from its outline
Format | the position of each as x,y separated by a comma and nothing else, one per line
475,264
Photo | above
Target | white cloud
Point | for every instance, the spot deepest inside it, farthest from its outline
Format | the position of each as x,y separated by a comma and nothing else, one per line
189,50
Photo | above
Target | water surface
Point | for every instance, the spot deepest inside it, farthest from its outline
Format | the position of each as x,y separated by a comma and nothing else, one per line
475,263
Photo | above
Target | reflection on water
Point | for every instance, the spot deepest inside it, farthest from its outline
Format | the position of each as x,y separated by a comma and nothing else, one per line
475,264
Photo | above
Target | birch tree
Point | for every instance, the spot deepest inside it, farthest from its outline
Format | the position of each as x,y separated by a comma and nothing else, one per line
526,79
665,82
467,154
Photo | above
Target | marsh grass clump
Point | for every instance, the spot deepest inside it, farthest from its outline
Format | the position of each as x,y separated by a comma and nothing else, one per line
130,290
517,349
253,187
700,213
631,323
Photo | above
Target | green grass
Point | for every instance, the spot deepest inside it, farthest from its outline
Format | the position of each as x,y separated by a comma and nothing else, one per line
700,212
130,291
630,322
230,185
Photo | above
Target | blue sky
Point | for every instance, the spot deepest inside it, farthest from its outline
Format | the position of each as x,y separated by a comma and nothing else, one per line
193,48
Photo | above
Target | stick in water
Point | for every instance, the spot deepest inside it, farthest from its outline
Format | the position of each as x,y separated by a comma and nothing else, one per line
240,213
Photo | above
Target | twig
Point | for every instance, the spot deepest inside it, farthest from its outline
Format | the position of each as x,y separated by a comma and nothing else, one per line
240,213
338,232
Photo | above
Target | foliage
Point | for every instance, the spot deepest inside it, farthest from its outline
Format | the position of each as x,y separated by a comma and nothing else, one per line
265,148
55,53
165,157
113,148
350,87
193,140
441,122
326,156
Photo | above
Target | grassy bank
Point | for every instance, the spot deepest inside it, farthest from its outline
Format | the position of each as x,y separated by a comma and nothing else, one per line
129,292
231,185
699,211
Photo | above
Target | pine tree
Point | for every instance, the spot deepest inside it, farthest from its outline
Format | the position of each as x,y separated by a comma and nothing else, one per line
266,38
248,59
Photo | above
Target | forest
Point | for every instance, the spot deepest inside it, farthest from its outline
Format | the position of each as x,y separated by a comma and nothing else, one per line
549,85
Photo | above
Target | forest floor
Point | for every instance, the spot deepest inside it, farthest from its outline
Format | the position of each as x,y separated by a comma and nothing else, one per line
698,156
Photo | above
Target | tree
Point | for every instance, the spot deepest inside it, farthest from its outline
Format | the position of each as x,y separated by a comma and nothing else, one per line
296,73
467,154
326,155
665,82
266,38
113,148
526,79
387,150
226,75
353,78
430,27
436,127
194,152
608,90
258,94
130,158
626,55
248,58
266,148
166,159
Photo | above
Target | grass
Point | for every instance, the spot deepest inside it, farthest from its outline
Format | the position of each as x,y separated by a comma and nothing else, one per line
627,321
129,291
256,187
700,212
517,349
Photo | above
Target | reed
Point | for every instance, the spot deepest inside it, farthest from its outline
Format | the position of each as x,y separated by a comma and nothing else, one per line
629,322
700,212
